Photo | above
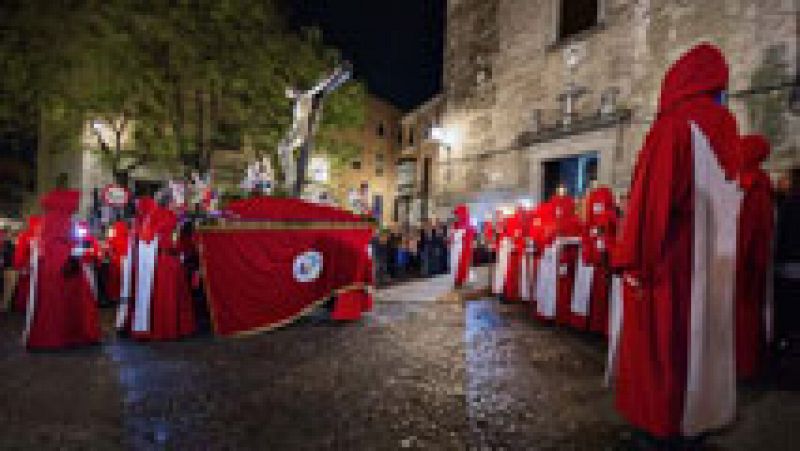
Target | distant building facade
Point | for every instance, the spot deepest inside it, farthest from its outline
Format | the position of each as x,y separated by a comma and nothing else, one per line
372,168
542,92
83,167
419,151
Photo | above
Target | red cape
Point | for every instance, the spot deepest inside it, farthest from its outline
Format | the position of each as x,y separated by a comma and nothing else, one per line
65,312
657,242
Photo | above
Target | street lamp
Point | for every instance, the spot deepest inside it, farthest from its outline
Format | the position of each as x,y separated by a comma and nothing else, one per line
445,136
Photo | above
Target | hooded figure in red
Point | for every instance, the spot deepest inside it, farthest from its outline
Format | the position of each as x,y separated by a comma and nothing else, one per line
461,243
754,255
676,369
516,243
22,261
599,234
352,301
503,254
546,280
567,233
163,309
145,206
63,309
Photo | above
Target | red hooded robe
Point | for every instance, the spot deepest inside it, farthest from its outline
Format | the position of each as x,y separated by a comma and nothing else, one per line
117,245
674,376
503,254
64,313
511,287
171,310
756,229
599,234
544,236
22,261
461,243
567,226
534,240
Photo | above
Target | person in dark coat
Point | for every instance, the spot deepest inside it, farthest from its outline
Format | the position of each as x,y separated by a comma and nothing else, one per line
424,250
787,263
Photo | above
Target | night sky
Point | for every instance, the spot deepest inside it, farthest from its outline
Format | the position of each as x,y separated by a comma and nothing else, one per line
395,45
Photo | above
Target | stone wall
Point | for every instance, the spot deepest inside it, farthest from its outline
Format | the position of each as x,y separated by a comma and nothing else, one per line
502,62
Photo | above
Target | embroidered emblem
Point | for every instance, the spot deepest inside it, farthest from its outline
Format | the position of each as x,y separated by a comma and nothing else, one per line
307,266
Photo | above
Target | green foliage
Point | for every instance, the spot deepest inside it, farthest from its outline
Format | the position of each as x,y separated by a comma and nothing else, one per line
184,77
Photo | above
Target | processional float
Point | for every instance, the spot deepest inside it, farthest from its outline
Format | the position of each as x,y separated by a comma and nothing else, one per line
269,260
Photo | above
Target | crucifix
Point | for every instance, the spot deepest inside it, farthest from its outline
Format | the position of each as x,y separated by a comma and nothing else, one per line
568,98
307,112
572,57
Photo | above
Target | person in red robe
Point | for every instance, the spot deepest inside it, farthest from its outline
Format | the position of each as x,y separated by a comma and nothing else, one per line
163,308
534,233
567,232
63,310
503,254
511,285
675,374
22,261
754,256
546,280
599,234
462,240
489,238
145,206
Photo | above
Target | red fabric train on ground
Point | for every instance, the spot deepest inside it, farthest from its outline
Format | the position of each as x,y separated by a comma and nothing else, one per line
272,260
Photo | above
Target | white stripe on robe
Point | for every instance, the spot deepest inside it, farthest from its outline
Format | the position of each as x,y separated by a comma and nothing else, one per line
614,328
501,269
34,275
710,399
546,282
456,247
145,275
582,290
89,273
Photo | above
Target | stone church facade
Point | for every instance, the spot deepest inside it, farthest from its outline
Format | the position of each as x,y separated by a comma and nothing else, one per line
539,91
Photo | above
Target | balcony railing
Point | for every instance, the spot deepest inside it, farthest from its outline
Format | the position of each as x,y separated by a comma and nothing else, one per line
554,124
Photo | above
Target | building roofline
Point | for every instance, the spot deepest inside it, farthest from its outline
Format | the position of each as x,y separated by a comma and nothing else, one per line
422,108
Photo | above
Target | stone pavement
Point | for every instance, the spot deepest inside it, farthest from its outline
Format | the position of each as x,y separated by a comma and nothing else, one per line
431,289
413,374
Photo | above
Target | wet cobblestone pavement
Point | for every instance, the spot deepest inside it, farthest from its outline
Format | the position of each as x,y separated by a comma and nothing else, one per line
417,375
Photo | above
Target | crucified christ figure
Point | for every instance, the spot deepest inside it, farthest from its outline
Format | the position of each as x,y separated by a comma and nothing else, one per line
307,112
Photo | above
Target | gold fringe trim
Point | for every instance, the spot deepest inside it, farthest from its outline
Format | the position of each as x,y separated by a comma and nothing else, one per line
230,226
296,316
269,327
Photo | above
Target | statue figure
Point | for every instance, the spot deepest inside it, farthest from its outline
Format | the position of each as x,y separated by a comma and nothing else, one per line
307,112
258,177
